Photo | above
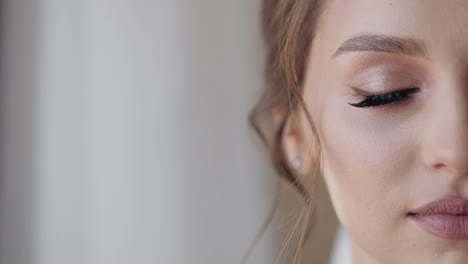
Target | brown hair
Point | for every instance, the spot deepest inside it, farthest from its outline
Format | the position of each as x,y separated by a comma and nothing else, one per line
288,29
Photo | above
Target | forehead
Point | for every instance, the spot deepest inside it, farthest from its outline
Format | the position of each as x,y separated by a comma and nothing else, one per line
442,25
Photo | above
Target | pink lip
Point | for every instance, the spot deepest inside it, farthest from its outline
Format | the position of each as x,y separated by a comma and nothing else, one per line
446,218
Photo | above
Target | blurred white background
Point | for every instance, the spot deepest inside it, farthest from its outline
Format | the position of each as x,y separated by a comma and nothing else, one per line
124,134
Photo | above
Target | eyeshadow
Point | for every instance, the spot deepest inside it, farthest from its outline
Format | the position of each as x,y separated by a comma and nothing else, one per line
384,78
379,72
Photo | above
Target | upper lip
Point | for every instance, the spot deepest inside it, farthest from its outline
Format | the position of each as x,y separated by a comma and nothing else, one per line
452,205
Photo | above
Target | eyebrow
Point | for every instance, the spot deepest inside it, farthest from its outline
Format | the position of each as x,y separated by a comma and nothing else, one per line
383,43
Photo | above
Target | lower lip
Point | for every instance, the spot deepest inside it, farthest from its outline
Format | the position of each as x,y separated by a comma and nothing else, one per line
452,227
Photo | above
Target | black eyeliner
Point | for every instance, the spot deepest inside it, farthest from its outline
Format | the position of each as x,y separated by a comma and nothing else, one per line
373,100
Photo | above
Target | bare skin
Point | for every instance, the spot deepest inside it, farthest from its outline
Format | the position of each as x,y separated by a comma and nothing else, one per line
382,161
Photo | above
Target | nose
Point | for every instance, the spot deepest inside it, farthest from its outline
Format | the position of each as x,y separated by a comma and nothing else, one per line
446,132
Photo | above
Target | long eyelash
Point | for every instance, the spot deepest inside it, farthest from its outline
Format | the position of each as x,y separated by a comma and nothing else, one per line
383,99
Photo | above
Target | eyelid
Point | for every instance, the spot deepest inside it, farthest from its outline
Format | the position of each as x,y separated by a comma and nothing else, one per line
365,93
383,70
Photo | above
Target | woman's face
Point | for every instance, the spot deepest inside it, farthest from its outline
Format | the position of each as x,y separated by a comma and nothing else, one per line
383,161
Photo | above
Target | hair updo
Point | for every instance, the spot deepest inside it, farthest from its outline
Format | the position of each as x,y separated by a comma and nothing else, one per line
288,28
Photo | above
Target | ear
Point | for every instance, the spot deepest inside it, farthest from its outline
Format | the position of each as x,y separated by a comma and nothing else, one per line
299,151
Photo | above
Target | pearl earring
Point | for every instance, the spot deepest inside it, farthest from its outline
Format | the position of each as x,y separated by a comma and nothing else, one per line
297,163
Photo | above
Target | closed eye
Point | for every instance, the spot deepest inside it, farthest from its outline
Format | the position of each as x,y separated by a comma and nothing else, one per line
374,100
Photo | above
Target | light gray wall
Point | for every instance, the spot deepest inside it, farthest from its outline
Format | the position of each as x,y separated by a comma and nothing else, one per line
124,133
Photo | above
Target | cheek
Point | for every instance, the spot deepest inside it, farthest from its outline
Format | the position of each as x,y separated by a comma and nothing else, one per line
363,166
366,168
